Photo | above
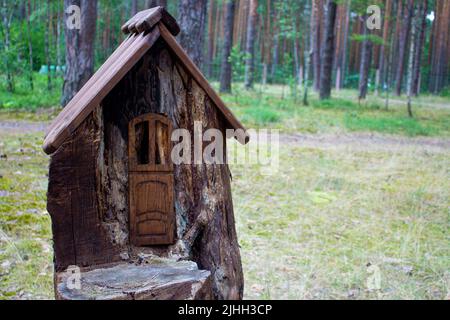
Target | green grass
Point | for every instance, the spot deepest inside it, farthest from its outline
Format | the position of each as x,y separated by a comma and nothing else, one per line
26,267
276,109
260,116
310,231
24,98
398,125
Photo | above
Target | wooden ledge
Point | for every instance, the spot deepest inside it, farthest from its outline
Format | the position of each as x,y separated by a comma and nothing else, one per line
164,280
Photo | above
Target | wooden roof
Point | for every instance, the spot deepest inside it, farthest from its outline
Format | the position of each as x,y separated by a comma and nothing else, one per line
143,29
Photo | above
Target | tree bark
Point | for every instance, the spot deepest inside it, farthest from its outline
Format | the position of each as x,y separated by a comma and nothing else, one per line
327,58
211,34
156,3
365,64
404,39
134,7
250,46
226,68
79,49
315,42
382,62
410,71
58,39
7,15
47,48
30,45
345,46
419,43
192,18
439,57
275,56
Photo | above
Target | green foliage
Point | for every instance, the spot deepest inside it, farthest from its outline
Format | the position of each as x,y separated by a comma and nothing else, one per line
446,92
376,40
237,59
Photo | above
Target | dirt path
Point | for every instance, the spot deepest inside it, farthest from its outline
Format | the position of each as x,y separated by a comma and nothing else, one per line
10,126
358,141
419,103
365,141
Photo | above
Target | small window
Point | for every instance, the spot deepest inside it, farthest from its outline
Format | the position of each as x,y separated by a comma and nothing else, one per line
142,143
149,143
162,143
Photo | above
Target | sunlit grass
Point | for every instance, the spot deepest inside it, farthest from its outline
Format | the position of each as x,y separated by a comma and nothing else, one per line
310,231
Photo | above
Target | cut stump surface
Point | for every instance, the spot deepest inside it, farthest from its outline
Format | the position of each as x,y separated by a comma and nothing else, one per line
162,281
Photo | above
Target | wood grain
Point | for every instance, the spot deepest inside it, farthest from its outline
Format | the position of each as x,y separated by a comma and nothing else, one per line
201,80
114,72
145,20
160,280
152,216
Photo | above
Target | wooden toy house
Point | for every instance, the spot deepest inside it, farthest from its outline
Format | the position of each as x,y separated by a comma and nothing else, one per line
137,225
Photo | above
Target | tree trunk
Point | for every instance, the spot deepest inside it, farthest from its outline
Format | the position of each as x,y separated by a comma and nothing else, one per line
315,42
365,64
226,68
133,8
47,48
296,53
327,58
275,56
439,58
7,14
191,18
382,62
211,33
30,45
419,43
410,71
156,3
345,46
250,46
404,39
307,56
79,49
397,36
58,39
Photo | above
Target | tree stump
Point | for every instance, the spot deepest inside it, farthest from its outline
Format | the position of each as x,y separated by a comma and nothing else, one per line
155,280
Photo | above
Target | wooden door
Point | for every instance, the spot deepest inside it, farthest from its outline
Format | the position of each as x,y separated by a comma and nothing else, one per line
152,217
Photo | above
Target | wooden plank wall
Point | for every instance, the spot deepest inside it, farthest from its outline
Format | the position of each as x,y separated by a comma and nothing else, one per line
78,236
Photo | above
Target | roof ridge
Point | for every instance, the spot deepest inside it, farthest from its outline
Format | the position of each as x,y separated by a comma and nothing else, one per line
145,20
114,69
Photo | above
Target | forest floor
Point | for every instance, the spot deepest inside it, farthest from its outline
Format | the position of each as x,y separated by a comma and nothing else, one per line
346,206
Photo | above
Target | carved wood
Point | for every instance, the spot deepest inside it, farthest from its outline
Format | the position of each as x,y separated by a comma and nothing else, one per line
152,218
90,179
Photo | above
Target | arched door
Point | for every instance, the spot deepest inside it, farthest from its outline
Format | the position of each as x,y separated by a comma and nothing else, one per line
152,217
